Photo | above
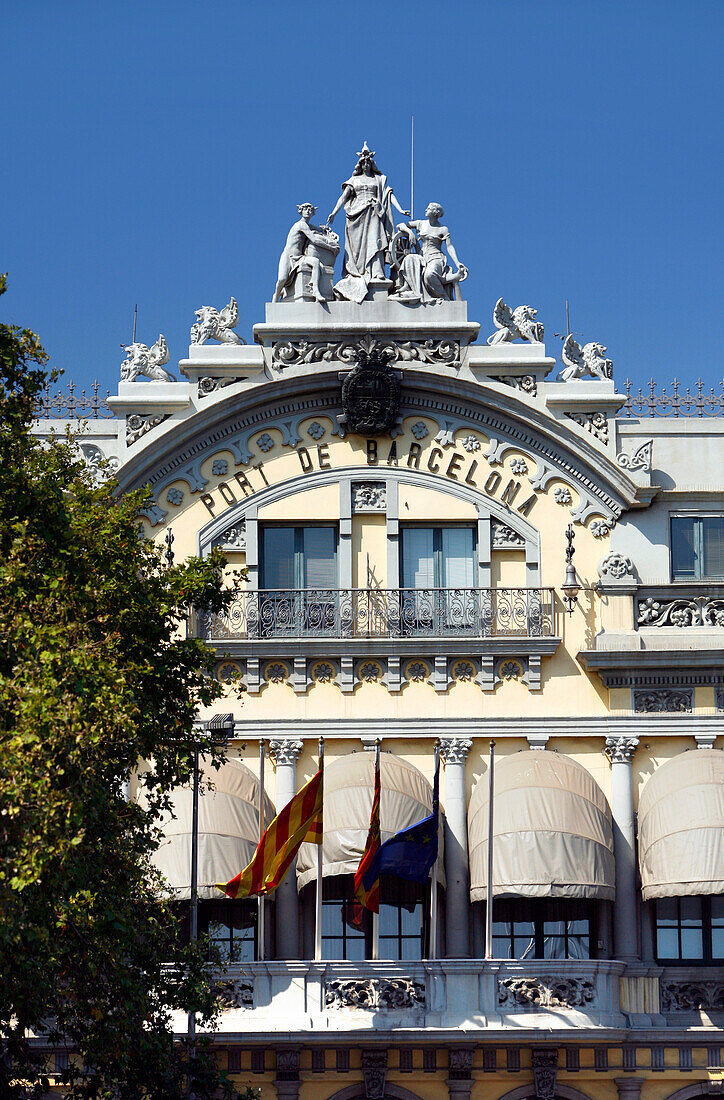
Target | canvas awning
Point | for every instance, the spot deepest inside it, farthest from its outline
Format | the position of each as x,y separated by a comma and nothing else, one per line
228,831
681,826
406,797
552,833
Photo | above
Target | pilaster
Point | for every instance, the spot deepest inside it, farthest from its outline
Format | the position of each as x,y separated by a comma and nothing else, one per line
284,751
454,752
620,751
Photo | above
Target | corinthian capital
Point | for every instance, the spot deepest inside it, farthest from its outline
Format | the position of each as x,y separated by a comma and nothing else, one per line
620,750
454,750
285,750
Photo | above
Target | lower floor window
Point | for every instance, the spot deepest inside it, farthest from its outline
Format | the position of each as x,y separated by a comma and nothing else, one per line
690,928
536,929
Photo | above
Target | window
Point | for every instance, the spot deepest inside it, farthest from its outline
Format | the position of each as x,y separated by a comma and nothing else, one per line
437,567
298,557
697,547
690,929
231,926
541,930
347,927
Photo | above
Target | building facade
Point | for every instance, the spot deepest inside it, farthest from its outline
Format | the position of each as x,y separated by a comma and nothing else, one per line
408,502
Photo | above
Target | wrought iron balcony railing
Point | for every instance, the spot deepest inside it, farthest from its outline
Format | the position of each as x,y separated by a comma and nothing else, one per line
385,613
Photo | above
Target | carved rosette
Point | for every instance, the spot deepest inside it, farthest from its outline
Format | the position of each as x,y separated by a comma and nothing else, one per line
616,567
595,422
454,750
369,496
620,750
137,424
285,751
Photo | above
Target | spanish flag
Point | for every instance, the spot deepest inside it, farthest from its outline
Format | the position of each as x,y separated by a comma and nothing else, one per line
300,820
369,896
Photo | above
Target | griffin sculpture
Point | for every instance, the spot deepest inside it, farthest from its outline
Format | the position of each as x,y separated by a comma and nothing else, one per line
142,360
582,361
515,324
215,325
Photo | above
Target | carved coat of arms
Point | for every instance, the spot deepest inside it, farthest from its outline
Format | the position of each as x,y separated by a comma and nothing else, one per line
370,392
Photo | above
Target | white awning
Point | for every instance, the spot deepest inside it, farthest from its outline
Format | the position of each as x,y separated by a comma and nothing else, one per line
552,833
228,831
681,826
406,798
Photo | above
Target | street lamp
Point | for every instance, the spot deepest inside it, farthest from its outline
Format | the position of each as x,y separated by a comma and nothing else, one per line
571,587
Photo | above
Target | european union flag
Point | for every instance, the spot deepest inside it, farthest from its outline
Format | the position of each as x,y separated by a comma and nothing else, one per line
410,853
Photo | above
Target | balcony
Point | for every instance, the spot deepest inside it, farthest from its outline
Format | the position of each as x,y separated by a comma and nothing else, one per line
433,994
381,613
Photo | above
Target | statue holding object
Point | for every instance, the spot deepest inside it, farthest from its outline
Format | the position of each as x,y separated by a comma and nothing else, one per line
310,250
368,200
422,271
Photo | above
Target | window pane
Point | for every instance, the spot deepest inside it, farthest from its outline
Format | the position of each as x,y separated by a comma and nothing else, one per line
277,567
692,943
388,920
333,948
501,947
418,570
683,553
667,943
713,546
690,910
457,557
667,911
319,560
717,909
411,948
717,942
411,922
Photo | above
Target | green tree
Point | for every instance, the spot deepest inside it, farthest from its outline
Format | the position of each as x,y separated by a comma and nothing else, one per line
96,674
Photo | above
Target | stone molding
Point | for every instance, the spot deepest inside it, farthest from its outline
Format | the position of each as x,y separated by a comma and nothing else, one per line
621,750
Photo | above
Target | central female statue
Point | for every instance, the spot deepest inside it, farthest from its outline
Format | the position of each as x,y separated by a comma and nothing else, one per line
368,201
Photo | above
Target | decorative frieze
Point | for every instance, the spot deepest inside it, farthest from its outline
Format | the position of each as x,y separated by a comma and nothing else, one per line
692,996
375,994
595,422
369,496
234,993
707,611
504,537
537,993
656,700
233,538
296,353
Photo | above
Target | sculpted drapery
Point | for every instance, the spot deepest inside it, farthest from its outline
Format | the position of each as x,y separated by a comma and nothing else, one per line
369,225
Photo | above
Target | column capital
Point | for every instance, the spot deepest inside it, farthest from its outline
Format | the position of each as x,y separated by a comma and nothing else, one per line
454,750
629,1088
285,750
620,750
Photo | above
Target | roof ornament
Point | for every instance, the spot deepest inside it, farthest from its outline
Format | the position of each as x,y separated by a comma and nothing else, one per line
582,362
212,324
515,324
148,362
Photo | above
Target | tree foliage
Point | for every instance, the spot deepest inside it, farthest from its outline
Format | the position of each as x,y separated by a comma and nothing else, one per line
96,674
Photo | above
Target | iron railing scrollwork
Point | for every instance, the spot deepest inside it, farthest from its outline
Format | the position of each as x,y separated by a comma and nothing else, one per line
70,405
649,402
385,613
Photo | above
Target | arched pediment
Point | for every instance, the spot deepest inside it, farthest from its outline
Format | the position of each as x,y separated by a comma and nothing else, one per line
448,409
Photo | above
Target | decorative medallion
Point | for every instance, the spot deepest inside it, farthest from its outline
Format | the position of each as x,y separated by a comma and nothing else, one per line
370,392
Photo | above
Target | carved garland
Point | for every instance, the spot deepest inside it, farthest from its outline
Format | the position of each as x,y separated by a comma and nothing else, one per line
294,353
539,993
375,994
697,611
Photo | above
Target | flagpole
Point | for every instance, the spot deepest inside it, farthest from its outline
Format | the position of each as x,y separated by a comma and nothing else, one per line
433,884
376,916
260,911
489,893
320,864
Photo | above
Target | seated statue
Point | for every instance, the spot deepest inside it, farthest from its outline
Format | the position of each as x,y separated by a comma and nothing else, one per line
419,264
310,250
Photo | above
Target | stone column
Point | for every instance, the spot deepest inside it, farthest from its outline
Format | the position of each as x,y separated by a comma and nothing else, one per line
454,751
629,1088
620,751
285,752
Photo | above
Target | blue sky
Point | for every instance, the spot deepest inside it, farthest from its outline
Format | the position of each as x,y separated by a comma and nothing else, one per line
155,153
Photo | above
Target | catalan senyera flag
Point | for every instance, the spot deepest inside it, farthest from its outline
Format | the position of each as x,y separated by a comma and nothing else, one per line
300,820
368,894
